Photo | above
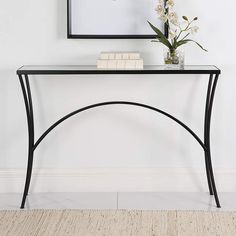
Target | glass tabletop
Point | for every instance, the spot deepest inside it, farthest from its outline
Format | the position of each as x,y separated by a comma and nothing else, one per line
92,69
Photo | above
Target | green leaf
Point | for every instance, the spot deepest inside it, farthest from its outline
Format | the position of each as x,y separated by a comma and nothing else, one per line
199,45
161,37
174,45
181,42
184,41
185,36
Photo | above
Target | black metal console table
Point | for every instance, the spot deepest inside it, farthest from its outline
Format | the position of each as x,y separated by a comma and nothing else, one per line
25,71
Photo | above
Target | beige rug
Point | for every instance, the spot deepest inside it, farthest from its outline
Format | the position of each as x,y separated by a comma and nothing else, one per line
117,223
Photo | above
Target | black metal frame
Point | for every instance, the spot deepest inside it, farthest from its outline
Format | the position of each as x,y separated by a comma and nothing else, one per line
32,145
86,36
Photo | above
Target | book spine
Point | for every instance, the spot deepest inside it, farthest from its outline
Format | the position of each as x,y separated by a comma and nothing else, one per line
119,64
120,55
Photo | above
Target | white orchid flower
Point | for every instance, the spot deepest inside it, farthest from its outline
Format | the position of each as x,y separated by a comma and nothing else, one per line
178,29
160,10
172,34
194,29
163,18
173,18
170,4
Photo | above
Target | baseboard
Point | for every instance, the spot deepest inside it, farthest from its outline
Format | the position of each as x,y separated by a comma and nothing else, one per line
116,180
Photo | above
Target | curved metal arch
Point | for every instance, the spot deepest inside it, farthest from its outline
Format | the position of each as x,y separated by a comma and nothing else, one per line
112,103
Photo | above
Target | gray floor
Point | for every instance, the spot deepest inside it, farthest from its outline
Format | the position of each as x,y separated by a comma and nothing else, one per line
145,201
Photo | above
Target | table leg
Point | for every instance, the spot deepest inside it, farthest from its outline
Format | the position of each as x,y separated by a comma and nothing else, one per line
208,111
25,86
205,134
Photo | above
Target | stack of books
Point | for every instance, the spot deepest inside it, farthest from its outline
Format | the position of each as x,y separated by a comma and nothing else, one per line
120,60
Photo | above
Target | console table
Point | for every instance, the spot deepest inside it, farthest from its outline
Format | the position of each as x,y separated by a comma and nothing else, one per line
25,71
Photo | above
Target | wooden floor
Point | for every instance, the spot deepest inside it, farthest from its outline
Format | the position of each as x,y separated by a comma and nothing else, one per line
116,223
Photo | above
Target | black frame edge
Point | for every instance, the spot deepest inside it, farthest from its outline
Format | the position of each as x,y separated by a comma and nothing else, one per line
75,36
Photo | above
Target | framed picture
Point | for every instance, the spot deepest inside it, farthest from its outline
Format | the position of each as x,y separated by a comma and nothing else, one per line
112,19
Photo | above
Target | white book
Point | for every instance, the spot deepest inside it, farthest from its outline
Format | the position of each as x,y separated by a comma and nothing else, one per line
104,56
139,64
125,56
111,64
120,55
134,55
120,64
130,64
112,56
102,64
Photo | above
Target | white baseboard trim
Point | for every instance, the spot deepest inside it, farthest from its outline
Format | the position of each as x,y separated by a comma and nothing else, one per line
116,180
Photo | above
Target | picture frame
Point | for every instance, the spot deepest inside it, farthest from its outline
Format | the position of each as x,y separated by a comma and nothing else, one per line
88,19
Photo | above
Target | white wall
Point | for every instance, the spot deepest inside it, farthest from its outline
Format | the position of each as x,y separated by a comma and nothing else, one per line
116,148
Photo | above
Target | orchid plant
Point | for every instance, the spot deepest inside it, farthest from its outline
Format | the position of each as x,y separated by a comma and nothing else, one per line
178,32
